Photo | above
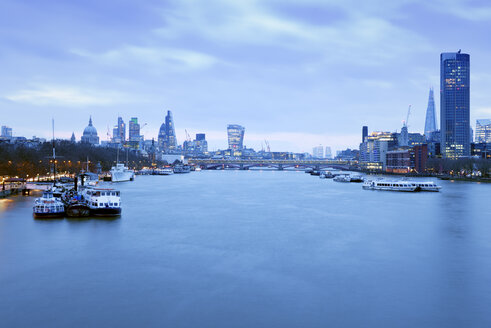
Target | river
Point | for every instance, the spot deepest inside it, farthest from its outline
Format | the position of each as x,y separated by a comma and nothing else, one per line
253,249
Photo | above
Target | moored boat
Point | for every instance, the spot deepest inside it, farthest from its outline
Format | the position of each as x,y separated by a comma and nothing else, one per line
342,178
120,173
48,206
102,201
425,185
182,169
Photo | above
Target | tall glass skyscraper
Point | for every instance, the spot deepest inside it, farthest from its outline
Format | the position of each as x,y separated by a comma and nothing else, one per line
235,136
455,104
167,134
430,123
119,131
483,130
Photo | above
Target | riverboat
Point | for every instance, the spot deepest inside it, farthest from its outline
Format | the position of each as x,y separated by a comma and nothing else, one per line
425,185
390,185
164,171
342,178
120,173
102,201
326,175
48,206
182,169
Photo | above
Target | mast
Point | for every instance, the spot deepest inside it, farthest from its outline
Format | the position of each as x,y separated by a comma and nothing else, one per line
54,151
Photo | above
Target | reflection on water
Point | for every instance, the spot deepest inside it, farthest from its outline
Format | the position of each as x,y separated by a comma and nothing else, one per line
253,248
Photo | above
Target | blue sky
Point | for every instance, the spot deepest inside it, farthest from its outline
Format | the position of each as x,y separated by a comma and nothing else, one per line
296,73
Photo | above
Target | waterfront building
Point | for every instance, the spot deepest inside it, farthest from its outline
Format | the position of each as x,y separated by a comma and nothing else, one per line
455,104
483,131
430,122
235,135
167,140
407,160
348,154
375,147
328,153
119,131
90,134
416,139
364,133
318,152
481,149
201,143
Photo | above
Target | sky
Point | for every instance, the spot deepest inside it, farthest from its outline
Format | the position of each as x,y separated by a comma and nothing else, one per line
295,73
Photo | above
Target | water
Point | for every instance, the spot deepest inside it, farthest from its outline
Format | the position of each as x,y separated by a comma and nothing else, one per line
253,249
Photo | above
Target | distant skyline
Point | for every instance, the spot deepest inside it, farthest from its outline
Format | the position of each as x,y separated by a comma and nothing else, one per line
295,74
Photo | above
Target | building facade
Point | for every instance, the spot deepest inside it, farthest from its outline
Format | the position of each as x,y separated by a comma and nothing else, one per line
430,122
455,104
119,131
90,134
6,132
318,152
235,134
167,140
483,131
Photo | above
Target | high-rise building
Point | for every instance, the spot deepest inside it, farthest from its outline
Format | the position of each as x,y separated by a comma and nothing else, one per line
318,152
483,131
328,153
90,134
235,135
167,140
6,132
364,133
430,122
119,131
455,104
134,130
201,143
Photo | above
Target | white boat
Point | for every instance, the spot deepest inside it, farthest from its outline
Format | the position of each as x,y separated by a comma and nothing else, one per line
164,171
390,185
179,168
326,175
120,173
425,185
102,201
48,206
342,178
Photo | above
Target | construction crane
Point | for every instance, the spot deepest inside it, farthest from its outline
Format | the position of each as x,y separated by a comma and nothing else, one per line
267,146
407,117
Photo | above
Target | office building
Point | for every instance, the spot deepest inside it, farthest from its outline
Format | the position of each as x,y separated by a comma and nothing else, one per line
455,104
235,135
90,134
6,132
375,148
318,152
364,133
430,122
483,131
134,130
328,153
119,131
167,140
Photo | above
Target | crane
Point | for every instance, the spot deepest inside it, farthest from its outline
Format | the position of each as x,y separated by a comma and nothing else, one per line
407,117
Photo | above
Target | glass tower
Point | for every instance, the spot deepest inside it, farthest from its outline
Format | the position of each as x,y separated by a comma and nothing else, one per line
167,134
483,131
430,123
235,136
455,104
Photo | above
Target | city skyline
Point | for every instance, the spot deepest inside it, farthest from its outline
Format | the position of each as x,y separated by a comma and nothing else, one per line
252,63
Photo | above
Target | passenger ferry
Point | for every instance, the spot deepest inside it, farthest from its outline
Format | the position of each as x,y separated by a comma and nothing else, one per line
48,206
102,201
164,171
182,169
120,173
426,185
390,185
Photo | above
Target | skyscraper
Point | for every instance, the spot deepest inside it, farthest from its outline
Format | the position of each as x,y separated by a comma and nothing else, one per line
167,135
6,132
455,104
235,136
134,130
364,133
483,131
318,152
119,131
328,153
430,122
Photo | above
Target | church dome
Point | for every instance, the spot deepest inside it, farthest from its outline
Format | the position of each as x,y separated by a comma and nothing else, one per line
90,129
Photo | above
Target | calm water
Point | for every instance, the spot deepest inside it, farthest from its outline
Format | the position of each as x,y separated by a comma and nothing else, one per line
253,249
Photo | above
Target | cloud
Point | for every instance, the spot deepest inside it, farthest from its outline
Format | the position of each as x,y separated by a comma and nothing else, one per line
154,57
65,96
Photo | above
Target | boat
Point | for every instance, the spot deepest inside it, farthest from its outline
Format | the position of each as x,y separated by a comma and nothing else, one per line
48,206
356,178
326,175
315,172
164,171
120,173
390,185
342,178
179,168
309,170
75,204
425,185
102,201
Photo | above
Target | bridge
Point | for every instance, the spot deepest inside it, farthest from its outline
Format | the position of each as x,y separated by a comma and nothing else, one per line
245,164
